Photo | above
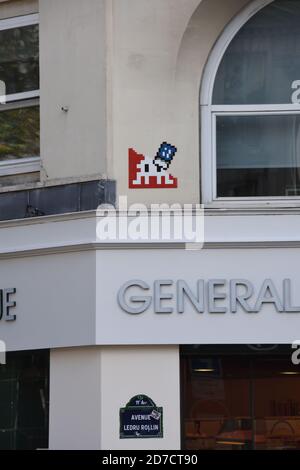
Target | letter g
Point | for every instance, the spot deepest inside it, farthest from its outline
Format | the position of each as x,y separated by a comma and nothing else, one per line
144,301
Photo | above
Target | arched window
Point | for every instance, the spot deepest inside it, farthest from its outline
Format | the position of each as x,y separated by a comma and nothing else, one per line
251,107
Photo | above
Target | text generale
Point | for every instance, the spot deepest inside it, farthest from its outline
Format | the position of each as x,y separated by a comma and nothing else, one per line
213,296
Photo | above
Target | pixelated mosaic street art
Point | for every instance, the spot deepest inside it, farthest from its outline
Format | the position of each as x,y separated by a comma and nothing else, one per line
146,172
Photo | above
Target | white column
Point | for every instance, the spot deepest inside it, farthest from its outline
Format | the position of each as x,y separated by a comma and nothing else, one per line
88,386
74,414
134,370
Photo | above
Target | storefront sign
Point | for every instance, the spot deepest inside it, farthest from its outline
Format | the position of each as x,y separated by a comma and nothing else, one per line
213,296
6,304
141,418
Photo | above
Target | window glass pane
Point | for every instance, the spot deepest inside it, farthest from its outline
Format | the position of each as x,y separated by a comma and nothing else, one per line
277,425
24,396
19,133
241,401
19,58
8,390
258,155
263,59
216,404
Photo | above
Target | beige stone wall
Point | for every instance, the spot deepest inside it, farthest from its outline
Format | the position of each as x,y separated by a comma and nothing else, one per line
88,386
159,50
9,8
129,72
72,64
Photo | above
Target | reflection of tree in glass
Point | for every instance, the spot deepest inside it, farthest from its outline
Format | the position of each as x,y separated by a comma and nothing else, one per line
20,133
19,58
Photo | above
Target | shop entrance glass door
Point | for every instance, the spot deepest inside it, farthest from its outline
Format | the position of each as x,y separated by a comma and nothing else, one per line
240,401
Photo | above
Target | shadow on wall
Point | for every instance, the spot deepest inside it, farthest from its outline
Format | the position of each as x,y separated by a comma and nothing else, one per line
202,31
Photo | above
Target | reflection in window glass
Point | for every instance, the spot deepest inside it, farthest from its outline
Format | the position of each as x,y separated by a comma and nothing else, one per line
19,133
258,155
257,152
24,401
19,59
227,403
263,59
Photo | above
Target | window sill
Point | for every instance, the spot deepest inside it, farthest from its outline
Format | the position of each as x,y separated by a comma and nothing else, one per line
20,166
267,207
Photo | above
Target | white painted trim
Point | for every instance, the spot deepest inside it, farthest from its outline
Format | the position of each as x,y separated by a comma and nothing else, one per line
206,151
19,21
258,201
214,154
20,96
256,109
84,247
20,166
19,104
77,232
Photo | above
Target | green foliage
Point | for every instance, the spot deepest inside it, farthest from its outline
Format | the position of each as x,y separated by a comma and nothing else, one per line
19,70
19,133
19,59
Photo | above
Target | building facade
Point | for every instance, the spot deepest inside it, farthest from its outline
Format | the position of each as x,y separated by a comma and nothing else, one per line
121,342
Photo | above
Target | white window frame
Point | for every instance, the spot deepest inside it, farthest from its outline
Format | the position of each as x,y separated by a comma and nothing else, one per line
16,100
209,113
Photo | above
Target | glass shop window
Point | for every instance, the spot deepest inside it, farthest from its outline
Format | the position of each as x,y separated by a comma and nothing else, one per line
24,401
240,402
